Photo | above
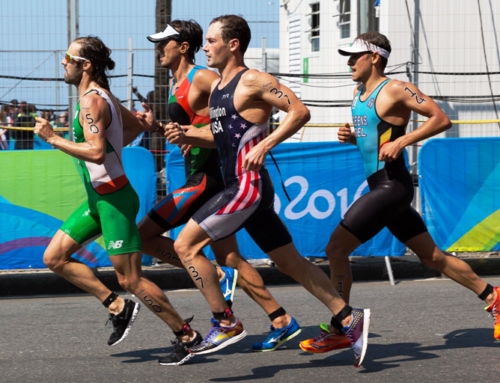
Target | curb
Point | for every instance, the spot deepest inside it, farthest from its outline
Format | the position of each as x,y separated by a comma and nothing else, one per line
48,283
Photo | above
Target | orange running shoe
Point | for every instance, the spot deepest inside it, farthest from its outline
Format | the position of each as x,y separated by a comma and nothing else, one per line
325,342
494,310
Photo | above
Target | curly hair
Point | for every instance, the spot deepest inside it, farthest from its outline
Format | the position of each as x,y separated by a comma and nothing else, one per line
94,50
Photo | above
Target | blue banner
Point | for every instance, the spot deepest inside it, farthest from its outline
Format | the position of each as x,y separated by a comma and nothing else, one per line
322,179
460,192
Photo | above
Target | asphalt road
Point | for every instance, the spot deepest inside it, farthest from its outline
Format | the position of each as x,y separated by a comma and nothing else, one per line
421,331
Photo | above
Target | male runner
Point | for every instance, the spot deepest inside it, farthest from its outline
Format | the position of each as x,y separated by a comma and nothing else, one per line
188,105
240,105
112,202
381,110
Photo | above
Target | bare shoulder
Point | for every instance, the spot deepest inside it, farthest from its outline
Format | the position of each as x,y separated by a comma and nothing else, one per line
204,78
93,101
398,89
254,77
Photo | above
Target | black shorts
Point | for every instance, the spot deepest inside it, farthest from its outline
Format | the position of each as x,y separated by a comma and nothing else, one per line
179,206
247,204
387,204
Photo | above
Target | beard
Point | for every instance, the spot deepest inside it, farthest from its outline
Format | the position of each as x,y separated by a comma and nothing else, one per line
75,78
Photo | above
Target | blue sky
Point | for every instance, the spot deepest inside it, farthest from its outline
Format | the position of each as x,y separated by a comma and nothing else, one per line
42,25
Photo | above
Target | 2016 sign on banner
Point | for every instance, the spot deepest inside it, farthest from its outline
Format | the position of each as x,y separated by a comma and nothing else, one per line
311,205
323,180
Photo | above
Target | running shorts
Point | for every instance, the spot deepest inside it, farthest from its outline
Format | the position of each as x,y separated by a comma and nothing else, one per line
247,204
387,204
179,206
112,215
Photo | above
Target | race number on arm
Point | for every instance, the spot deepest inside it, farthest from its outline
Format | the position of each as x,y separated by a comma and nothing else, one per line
406,95
262,87
94,117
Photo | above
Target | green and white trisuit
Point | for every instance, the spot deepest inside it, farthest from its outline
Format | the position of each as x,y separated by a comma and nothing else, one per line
112,204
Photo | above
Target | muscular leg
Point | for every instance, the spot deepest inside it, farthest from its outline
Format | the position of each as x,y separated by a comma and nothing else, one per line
311,277
342,243
188,246
130,276
57,258
156,245
227,254
424,247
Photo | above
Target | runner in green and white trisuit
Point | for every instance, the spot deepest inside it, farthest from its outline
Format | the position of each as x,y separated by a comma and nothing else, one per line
112,203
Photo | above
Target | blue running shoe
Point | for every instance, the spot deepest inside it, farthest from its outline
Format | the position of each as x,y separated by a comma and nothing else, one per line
278,336
219,337
228,283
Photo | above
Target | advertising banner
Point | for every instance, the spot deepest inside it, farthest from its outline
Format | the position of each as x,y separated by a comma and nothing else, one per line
38,192
322,179
460,192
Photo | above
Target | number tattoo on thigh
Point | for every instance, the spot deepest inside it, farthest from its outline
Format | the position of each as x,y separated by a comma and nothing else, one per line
419,100
195,275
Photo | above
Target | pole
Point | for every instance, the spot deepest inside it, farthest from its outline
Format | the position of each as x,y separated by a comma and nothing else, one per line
56,67
389,270
72,34
130,104
264,55
415,58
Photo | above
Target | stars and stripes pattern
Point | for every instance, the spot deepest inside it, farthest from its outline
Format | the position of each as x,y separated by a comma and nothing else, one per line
249,181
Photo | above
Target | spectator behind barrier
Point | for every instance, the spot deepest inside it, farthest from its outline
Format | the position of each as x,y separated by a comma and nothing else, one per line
4,143
24,119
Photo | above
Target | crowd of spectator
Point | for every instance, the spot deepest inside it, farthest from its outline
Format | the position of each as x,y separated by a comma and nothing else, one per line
23,115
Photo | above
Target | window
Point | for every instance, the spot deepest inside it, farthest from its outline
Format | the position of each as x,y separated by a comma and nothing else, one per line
345,19
314,27
368,15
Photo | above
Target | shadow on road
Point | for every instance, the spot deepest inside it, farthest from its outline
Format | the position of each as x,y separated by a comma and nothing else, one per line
380,356
148,355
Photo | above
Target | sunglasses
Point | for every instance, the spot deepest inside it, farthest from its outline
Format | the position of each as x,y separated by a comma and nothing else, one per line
69,58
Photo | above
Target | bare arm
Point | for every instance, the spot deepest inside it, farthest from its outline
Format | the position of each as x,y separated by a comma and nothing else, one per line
94,117
412,98
266,88
132,127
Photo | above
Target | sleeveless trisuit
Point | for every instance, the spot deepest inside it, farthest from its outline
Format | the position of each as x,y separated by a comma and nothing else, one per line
388,203
248,198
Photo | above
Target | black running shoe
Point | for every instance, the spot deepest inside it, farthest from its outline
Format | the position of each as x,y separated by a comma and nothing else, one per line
123,321
180,354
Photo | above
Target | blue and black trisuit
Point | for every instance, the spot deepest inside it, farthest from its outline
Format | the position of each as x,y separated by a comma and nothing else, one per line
388,203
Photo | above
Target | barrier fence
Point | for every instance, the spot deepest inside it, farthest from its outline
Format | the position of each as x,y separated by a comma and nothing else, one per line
460,203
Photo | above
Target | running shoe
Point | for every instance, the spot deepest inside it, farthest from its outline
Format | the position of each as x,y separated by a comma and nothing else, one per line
219,337
180,353
357,332
494,310
278,336
123,321
326,341
228,283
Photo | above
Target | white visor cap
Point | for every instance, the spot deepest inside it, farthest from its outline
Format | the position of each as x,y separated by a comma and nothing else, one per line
168,33
363,46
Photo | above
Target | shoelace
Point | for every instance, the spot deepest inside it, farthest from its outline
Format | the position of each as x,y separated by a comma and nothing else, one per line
321,336
110,319
272,333
177,345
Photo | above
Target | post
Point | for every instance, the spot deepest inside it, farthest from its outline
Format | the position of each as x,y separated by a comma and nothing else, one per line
264,55
130,104
414,149
72,34
56,67
389,270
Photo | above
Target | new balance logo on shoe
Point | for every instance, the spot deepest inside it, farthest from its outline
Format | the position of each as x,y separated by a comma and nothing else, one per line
115,244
